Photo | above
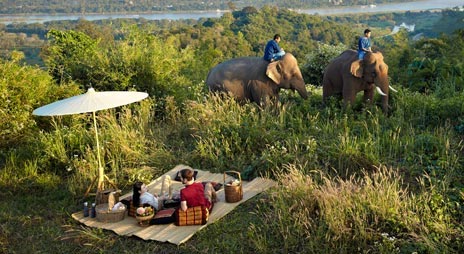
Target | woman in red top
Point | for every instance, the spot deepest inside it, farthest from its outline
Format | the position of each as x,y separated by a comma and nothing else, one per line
194,194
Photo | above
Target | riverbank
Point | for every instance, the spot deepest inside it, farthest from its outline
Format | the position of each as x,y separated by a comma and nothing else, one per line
427,5
42,18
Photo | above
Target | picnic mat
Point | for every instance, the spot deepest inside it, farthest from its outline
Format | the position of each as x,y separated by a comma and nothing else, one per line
170,232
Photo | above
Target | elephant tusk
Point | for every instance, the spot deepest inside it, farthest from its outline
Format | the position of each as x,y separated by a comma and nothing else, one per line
393,89
380,91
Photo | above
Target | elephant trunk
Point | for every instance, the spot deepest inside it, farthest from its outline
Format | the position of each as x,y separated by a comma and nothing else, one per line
303,93
300,87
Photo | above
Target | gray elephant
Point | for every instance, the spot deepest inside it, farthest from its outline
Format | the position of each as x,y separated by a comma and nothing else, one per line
256,80
346,76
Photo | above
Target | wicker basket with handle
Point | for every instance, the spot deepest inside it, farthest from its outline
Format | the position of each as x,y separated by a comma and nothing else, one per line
105,215
233,190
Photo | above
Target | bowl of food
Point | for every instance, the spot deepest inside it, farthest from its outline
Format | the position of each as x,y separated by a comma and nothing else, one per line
143,215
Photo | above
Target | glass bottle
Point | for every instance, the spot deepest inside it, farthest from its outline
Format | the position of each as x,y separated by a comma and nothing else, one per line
93,212
86,209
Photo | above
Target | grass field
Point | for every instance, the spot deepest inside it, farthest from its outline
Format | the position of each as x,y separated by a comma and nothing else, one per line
351,180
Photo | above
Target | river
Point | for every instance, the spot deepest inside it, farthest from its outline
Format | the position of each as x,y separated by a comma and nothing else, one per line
391,7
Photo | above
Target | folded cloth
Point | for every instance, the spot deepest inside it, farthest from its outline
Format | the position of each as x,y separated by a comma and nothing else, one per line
118,206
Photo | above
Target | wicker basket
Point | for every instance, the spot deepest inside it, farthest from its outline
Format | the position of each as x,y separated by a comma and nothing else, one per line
102,196
144,221
103,215
233,193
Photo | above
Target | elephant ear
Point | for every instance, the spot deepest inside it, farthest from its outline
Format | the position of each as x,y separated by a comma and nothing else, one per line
273,72
357,69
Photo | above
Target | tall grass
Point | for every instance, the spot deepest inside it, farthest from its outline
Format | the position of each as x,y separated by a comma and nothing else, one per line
371,212
127,147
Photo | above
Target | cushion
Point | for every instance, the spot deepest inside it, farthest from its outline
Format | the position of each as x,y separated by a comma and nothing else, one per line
171,203
197,215
216,186
178,177
164,216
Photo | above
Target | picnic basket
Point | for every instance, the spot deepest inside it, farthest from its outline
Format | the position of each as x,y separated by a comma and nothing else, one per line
105,215
103,195
233,190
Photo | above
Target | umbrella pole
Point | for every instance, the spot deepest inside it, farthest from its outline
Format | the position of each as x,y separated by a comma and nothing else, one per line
100,185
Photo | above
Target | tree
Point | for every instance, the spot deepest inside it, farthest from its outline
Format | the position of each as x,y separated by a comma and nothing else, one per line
231,6
437,60
317,60
71,56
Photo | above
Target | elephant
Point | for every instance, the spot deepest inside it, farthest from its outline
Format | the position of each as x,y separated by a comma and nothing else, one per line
346,76
253,79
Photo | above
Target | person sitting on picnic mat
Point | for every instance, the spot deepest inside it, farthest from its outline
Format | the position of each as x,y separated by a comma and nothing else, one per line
195,194
141,196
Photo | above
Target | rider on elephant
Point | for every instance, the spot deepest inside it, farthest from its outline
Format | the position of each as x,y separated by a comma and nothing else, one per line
273,52
364,44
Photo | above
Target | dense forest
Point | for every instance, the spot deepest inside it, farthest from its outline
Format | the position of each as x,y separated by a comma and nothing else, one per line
351,179
305,30
111,6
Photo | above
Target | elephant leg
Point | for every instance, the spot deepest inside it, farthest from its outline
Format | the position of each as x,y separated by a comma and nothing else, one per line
259,93
348,100
328,90
349,95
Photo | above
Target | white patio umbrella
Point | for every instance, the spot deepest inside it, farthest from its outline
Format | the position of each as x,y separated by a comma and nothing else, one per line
91,101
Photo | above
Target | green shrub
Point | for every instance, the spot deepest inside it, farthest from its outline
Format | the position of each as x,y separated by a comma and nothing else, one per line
316,61
22,89
138,60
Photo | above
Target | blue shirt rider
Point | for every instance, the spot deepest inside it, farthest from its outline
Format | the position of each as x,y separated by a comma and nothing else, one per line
364,44
273,52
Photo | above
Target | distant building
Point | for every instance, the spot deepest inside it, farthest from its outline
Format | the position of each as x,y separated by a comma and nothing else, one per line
336,2
409,28
418,36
